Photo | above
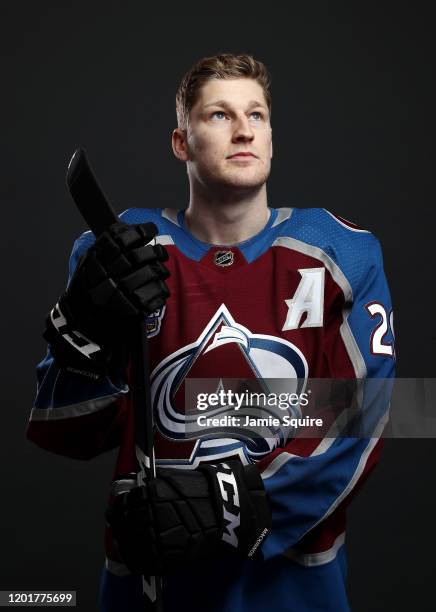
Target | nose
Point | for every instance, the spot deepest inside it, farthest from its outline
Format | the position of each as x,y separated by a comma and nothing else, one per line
242,131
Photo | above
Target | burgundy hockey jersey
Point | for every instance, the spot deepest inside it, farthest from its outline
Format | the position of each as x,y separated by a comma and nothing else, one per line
304,298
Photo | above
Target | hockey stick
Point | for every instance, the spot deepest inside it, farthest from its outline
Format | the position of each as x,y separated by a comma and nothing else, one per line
99,215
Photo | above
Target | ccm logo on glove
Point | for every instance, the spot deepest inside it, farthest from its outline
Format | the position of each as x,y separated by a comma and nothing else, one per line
183,516
231,505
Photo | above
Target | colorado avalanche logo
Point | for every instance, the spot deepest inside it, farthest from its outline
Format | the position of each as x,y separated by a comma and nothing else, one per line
268,357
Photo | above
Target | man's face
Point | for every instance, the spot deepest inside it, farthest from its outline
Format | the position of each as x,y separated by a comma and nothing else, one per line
230,117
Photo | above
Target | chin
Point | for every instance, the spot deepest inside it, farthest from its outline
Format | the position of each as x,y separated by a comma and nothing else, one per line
235,180
249,182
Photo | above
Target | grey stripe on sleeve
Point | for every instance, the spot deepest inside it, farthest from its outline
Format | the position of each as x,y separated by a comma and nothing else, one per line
74,410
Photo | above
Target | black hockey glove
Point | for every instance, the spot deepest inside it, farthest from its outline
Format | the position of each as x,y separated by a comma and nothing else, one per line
190,515
120,279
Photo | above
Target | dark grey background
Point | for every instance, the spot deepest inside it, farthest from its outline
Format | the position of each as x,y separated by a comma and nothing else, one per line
350,92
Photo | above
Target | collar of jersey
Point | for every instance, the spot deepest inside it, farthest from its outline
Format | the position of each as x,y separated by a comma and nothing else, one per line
245,244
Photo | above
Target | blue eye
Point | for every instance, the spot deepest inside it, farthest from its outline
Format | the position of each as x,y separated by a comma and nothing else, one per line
218,113
259,115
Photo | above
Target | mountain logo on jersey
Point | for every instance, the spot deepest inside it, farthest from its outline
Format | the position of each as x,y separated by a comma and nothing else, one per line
225,348
224,258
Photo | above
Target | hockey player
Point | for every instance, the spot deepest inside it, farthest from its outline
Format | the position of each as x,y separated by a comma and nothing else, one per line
230,287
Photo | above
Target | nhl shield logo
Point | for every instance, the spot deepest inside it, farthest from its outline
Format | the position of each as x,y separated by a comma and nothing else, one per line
224,258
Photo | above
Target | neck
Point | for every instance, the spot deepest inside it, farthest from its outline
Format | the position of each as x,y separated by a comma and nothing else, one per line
224,218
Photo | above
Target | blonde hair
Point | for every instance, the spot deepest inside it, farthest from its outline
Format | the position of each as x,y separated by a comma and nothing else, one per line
221,66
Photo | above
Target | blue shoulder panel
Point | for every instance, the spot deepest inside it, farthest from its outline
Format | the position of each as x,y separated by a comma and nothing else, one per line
348,248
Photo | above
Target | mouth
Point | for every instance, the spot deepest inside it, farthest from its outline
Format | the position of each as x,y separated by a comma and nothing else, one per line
242,156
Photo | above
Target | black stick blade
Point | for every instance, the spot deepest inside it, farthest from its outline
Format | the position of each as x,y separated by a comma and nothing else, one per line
88,195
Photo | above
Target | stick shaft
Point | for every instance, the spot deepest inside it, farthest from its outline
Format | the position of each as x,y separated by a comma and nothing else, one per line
99,215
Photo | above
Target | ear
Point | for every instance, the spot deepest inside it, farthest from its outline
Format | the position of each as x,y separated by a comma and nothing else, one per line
180,145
